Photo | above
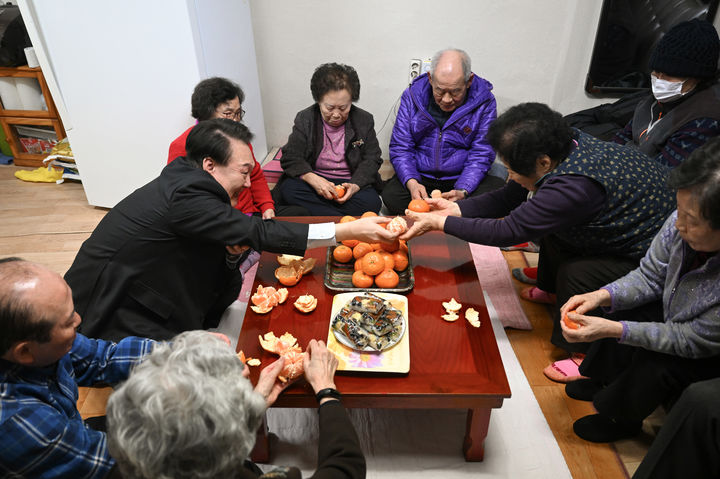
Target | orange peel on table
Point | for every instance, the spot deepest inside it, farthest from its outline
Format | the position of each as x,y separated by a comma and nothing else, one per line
452,306
473,317
293,268
253,362
450,317
241,357
306,303
285,346
266,298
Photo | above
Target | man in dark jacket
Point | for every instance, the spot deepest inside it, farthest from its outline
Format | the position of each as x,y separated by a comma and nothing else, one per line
165,259
438,141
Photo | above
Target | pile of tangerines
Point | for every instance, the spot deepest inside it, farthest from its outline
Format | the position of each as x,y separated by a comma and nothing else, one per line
376,263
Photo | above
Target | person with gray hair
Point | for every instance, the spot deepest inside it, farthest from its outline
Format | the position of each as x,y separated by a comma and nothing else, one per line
42,362
188,410
438,141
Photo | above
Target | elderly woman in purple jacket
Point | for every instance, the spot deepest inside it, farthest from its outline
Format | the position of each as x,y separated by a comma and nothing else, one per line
665,333
438,141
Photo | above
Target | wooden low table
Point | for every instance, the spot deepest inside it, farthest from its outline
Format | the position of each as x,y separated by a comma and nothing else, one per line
452,365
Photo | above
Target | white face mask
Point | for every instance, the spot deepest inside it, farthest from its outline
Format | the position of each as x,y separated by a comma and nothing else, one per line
664,90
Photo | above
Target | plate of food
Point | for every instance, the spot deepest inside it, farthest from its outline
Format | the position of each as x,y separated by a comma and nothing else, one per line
369,322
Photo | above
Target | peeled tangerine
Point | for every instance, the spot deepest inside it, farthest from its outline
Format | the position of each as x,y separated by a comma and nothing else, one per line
397,225
266,298
285,346
306,303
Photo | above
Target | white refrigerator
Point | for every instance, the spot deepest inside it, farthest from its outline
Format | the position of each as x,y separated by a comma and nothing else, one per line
121,74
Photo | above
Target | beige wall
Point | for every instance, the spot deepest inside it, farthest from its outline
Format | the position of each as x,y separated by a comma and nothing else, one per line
531,50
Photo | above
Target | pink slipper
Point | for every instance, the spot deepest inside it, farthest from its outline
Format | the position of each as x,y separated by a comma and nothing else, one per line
537,295
566,370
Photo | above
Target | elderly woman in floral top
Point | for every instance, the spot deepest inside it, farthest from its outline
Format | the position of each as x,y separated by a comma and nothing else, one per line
649,354
331,159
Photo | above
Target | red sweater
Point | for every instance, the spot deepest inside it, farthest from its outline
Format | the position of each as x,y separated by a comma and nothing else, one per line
255,199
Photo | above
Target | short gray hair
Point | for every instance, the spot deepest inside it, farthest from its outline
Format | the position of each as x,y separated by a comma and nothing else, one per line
464,58
185,411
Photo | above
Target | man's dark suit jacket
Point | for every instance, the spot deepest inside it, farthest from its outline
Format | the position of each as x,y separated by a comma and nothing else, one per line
156,264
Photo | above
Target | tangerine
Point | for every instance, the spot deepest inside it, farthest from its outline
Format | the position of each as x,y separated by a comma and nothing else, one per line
350,243
373,263
419,206
387,279
346,219
342,253
397,225
368,214
403,246
569,322
388,259
361,249
339,191
401,260
390,247
361,280
358,265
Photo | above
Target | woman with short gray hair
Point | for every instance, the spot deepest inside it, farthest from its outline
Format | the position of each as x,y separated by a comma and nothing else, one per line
188,410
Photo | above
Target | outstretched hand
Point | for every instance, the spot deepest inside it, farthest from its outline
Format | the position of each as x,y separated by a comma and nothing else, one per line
370,229
422,223
443,207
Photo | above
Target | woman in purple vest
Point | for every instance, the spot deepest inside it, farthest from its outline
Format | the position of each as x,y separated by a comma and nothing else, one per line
597,205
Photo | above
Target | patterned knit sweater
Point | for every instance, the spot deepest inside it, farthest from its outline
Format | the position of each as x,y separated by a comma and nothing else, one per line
690,327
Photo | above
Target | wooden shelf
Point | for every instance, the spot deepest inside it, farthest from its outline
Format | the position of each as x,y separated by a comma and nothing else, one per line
10,119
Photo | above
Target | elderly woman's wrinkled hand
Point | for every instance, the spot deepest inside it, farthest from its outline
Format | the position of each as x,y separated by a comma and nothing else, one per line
322,187
582,303
320,365
589,328
268,385
443,207
422,223
350,190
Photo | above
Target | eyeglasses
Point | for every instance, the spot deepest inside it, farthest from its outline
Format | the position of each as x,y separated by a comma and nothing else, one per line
455,93
233,115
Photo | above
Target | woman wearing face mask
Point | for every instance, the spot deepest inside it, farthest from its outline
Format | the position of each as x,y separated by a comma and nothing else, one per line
682,114
332,145
684,110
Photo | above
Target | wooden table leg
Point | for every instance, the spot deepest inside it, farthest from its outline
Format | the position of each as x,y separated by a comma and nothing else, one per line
476,429
261,450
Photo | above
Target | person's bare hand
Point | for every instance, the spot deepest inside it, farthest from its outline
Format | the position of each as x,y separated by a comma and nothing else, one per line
268,214
269,386
236,249
350,190
590,328
370,230
416,189
320,365
454,195
582,303
422,223
443,207
322,187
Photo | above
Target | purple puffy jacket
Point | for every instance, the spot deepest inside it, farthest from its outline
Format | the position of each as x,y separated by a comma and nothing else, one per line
457,152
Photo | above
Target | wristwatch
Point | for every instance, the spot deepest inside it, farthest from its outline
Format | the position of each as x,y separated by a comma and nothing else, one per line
328,393
464,192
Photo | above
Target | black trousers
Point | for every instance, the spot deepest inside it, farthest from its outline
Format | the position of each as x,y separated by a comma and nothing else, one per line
566,271
646,380
688,444
396,197
296,192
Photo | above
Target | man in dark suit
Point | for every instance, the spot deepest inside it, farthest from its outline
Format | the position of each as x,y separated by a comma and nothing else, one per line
165,259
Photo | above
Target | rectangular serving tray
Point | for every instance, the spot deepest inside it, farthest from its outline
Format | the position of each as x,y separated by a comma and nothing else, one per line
338,276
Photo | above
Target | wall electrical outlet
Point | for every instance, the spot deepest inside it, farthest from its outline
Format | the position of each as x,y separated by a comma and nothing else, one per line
418,67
